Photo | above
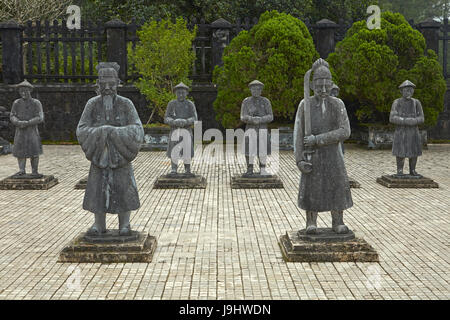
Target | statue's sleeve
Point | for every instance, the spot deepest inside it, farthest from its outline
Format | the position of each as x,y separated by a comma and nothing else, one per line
394,116
269,114
13,115
338,135
40,117
169,116
193,117
127,139
92,139
245,113
420,118
298,133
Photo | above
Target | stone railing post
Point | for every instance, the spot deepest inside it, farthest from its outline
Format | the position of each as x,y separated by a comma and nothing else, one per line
430,30
116,45
220,39
12,56
324,37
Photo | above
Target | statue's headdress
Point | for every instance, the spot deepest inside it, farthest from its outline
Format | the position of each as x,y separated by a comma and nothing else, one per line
25,84
321,70
255,83
181,85
108,69
407,83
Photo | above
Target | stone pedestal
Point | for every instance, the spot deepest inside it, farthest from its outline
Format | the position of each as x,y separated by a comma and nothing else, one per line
81,185
110,248
28,182
180,181
325,246
406,181
256,181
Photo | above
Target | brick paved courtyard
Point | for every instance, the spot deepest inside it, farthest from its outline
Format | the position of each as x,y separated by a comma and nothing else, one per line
220,243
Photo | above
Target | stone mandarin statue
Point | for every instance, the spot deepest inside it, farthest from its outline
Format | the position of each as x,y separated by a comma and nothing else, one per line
256,113
110,133
181,114
407,115
26,114
321,125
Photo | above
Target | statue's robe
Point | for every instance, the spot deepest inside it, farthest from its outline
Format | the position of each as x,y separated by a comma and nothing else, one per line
27,141
407,114
180,110
111,187
327,187
256,107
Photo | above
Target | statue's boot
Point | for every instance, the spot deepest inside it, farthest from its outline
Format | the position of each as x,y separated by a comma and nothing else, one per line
337,222
249,166
262,166
124,224
400,164
174,168
187,168
311,222
34,166
22,162
99,225
412,166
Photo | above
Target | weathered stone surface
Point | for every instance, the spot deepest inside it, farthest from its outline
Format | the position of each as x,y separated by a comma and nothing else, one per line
256,181
83,251
81,185
27,182
325,234
407,181
295,249
180,181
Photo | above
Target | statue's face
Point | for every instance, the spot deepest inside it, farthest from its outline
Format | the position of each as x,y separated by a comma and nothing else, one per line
181,94
256,91
322,87
108,85
25,92
407,92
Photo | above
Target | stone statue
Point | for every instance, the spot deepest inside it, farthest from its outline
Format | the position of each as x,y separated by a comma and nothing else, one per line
407,114
110,133
256,113
321,125
26,114
181,115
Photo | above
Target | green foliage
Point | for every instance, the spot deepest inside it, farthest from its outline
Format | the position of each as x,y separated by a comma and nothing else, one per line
163,58
277,51
418,10
230,10
369,65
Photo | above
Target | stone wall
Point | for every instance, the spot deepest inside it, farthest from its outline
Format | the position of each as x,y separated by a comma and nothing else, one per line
64,103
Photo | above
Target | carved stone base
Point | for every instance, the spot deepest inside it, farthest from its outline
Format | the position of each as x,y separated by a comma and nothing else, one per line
28,182
81,185
180,181
327,246
406,181
110,248
353,183
256,181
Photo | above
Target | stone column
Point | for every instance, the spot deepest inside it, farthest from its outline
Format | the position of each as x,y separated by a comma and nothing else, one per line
12,58
116,45
430,30
220,39
324,37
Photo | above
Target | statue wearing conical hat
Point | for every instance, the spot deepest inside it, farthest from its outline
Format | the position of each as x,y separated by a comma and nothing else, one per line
110,134
256,113
180,116
26,114
321,125
407,115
